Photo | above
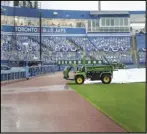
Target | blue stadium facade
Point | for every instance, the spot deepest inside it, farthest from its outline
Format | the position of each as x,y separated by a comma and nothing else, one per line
66,34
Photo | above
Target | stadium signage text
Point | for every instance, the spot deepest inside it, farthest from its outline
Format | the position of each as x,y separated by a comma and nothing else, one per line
36,30
53,30
26,29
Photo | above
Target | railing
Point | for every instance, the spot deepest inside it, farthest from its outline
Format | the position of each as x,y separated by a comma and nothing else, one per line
33,71
40,70
12,76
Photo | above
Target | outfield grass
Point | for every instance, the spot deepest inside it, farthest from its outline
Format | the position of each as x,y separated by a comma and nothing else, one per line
124,103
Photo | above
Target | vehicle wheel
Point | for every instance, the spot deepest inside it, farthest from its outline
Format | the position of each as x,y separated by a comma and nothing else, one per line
79,79
106,79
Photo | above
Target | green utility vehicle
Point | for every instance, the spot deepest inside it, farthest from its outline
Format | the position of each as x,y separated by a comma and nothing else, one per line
102,71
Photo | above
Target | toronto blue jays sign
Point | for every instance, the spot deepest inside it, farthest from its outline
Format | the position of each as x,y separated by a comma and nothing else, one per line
25,29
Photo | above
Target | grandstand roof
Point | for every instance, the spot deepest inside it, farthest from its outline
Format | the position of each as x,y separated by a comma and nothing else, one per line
67,14
137,12
108,12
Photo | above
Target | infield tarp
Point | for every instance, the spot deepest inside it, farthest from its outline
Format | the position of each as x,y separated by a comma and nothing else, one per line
126,76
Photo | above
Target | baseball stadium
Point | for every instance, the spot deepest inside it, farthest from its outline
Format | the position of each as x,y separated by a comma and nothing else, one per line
72,71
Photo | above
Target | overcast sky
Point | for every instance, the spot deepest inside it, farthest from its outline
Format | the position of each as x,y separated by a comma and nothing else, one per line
93,5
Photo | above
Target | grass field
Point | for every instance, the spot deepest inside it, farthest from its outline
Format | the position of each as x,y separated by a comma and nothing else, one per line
123,103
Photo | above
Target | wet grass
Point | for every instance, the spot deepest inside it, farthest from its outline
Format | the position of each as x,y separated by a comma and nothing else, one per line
123,103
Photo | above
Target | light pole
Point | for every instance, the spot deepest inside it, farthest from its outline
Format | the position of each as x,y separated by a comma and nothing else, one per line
40,33
3,12
99,5
26,65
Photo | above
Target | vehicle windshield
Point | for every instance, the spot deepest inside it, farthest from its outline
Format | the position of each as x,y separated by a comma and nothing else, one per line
69,68
82,69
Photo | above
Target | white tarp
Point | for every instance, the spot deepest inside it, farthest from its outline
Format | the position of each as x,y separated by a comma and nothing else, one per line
126,76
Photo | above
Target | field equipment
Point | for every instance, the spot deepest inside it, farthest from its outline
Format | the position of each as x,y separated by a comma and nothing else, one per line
94,70
98,70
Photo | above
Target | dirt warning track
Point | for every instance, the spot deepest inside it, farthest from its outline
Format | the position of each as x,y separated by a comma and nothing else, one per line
49,110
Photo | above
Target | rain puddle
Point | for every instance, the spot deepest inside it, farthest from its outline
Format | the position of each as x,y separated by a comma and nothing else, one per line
37,89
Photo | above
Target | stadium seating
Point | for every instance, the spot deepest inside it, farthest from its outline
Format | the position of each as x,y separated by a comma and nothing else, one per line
113,44
140,41
83,42
142,57
141,47
65,48
12,48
